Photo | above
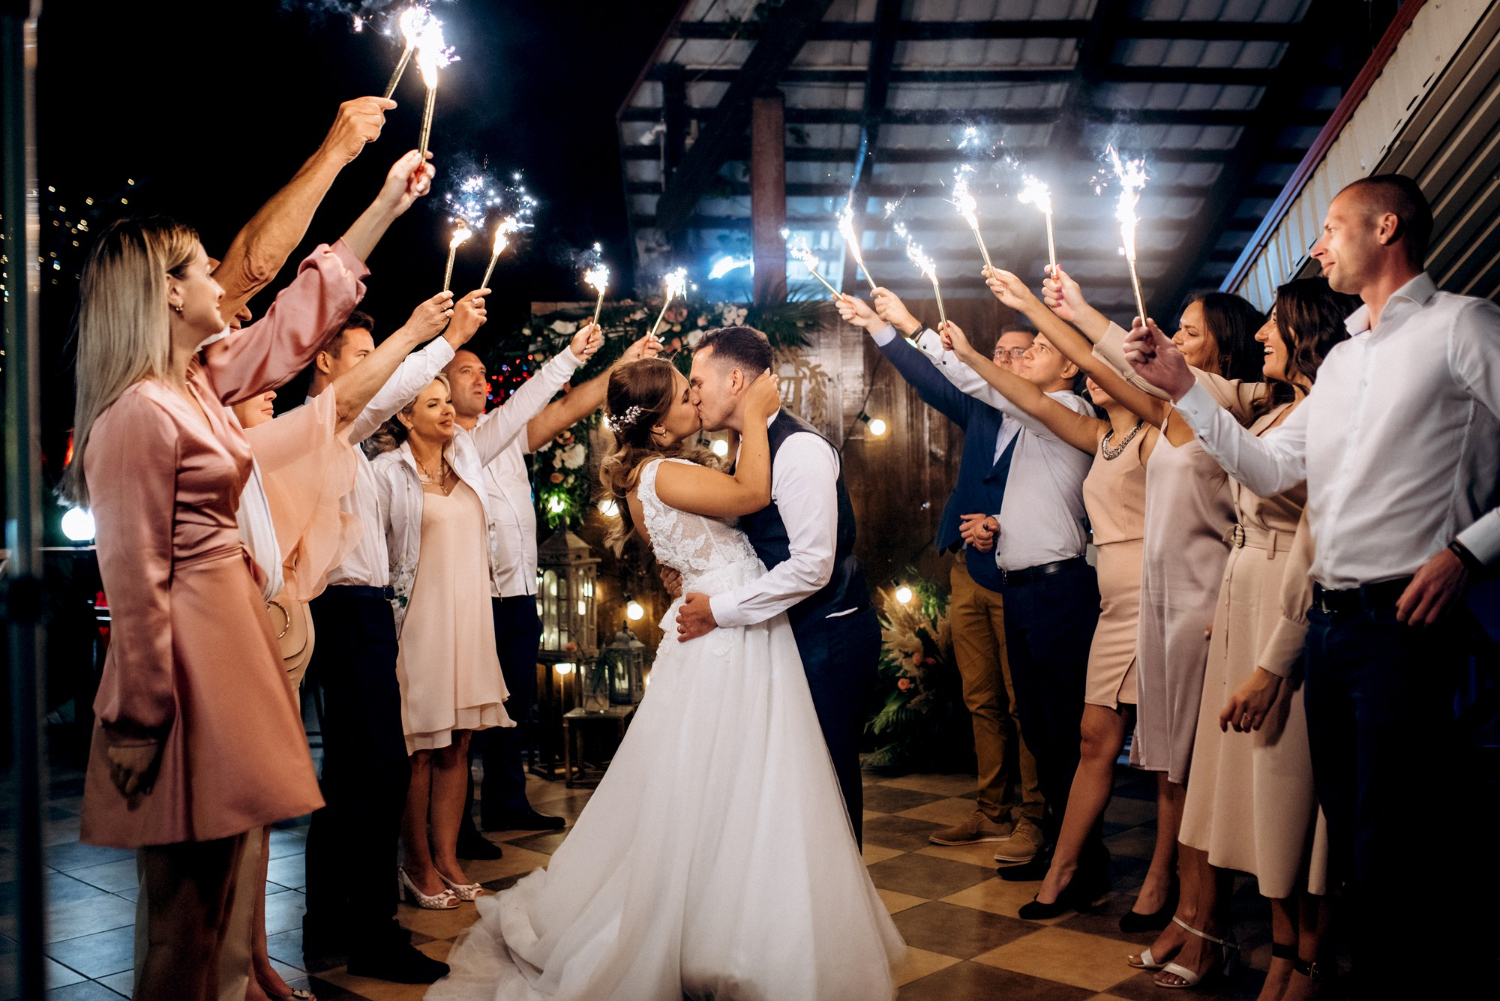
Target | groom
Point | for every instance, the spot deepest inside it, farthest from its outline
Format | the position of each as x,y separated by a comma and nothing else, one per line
806,539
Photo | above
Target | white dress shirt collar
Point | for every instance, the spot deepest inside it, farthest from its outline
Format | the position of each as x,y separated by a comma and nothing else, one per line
1413,295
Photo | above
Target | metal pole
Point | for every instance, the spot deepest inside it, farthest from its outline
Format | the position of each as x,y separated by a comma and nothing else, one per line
21,594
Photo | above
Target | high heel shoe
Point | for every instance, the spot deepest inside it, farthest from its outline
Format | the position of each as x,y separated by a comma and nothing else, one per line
463,891
1134,921
444,901
1222,967
1079,895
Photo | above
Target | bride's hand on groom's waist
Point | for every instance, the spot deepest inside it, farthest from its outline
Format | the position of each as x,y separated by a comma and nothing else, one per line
695,618
672,581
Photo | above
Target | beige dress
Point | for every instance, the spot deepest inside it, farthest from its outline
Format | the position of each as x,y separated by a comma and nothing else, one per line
449,672
1114,494
1251,804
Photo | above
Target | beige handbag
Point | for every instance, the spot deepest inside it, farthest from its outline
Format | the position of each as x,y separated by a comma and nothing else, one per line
293,626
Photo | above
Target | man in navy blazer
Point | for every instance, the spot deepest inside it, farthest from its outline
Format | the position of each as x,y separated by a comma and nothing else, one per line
1010,818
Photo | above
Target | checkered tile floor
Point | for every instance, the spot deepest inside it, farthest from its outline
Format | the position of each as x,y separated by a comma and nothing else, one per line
958,918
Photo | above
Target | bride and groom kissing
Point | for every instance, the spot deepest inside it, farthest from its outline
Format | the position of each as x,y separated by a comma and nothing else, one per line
719,856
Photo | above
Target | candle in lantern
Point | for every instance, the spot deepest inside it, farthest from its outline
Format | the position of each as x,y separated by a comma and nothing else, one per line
676,285
969,209
460,234
1132,178
800,251
846,227
1037,193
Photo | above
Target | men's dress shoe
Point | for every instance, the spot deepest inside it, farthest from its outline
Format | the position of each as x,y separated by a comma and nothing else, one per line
1024,844
976,829
321,940
530,820
475,847
400,963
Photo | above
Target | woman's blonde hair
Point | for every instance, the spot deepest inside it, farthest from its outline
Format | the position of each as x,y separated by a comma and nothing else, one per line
393,433
639,396
124,325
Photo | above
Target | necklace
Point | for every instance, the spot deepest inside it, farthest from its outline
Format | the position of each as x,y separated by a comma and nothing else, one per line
431,478
1119,450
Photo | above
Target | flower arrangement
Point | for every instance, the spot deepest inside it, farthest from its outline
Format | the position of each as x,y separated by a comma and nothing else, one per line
563,482
920,720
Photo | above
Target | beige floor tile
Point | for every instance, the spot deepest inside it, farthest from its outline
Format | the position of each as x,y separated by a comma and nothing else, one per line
941,785
874,853
374,990
1088,961
918,964
982,853
944,811
999,897
1106,997
515,861
437,924
897,902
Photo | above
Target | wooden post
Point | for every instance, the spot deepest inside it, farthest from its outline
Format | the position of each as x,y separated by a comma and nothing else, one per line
768,195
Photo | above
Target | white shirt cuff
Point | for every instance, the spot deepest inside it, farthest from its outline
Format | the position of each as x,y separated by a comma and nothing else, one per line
1197,407
1483,538
884,335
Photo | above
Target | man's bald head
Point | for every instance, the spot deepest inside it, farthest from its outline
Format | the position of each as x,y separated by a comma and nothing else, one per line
1398,196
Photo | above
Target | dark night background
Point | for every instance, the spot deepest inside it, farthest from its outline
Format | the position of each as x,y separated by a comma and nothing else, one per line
210,106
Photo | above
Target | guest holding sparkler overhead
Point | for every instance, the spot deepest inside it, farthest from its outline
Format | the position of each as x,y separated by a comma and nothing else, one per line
188,755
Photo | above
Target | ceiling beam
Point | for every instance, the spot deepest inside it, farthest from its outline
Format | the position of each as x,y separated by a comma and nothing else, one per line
912,31
1114,73
946,223
835,189
725,129
1005,116
877,89
825,154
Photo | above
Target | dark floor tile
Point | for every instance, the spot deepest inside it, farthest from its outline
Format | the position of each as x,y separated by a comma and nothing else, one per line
890,799
546,843
326,991
88,990
906,834
287,947
925,876
98,955
284,912
1105,920
967,981
961,932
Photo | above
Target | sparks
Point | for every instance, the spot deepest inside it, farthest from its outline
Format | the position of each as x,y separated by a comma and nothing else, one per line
597,278
461,234
846,227
412,23
1035,192
968,207
675,283
800,251
927,267
510,224
1132,177
970,138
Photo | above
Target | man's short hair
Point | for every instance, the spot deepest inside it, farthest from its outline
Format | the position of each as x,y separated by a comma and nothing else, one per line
1403,198
356,321
744,348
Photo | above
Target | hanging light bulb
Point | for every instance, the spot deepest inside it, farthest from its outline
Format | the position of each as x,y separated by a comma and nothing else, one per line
564,668
609,508
720,447
634,612
78,525
903,594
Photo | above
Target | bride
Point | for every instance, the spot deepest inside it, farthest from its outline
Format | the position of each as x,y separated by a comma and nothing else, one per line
715,860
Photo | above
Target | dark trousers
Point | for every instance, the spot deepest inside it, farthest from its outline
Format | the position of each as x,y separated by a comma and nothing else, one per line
351,845
1049,626
518,633
840,657
1389,776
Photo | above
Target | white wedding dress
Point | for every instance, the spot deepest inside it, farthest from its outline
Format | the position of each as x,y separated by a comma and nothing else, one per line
715,860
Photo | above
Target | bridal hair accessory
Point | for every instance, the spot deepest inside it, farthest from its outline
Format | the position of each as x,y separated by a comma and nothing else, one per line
623,423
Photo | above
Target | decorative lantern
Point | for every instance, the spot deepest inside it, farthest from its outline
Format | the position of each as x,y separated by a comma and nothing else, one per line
565,598
596,686
626,660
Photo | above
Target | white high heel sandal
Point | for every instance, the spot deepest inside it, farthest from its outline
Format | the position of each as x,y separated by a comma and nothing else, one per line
1224,966
406,889
463,891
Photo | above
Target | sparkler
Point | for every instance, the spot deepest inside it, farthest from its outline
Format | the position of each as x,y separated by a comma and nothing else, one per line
676,283
1132,177
427,63
1037,193
928,268
597,277
503,230
846,227
968,208
800,251
460,234
412,22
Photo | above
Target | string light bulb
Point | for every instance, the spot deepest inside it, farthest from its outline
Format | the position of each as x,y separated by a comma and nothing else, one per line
903,595
634,612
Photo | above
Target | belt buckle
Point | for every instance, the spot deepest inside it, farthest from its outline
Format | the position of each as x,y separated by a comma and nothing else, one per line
1237,536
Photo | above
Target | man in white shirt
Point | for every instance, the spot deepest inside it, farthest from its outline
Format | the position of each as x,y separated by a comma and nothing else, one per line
351,845
1399,443
502,803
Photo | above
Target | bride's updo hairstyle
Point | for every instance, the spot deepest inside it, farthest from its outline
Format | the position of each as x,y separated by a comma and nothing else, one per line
638,398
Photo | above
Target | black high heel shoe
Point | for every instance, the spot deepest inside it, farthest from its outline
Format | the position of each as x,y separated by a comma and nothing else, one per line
1079,895
1133,921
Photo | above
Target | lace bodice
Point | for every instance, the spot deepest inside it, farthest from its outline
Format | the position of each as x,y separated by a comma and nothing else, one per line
712,555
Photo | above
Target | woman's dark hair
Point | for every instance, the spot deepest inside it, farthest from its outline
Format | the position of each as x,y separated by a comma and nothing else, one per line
1232,322
1310,319
744,348
638,398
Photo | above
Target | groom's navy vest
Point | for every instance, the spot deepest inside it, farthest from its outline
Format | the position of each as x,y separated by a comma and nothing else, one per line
847,588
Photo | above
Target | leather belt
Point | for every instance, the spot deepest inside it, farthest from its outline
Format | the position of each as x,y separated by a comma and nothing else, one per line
1239,536
1378,597
1043,570
387,593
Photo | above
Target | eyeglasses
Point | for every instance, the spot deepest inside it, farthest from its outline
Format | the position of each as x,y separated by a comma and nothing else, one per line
1016,353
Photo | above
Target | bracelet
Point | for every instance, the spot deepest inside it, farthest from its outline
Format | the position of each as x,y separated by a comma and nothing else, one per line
1469,560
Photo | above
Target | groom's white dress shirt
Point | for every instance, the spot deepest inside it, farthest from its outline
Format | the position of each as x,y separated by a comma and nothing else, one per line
804,488
1399,440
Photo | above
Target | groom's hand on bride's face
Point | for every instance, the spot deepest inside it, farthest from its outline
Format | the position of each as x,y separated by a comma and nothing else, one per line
695,618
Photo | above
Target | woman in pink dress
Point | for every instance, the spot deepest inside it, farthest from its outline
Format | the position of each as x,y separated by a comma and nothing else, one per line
196,740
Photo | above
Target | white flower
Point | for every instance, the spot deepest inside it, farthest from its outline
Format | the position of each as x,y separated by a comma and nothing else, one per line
564,326
693,337
575,455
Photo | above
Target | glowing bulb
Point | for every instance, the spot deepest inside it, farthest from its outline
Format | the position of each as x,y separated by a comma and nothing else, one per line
720,447
564,668
555,504
634,612
903,594
78,525
609,508
877,426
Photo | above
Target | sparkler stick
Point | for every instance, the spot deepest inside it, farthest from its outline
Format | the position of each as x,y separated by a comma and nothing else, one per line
968,208
412,21
1132,177
1036,193
460,234
676,282
800,251
506,226
846,227
428,65
928,268
597,277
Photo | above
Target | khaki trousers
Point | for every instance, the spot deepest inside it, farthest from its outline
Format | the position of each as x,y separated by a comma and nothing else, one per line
976,616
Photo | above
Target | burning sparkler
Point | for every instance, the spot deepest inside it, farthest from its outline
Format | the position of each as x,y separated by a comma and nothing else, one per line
927,267
510,224
800,251
676,285
597,277
846,227
968,208
1037,193
460,234
413,22
1132,177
